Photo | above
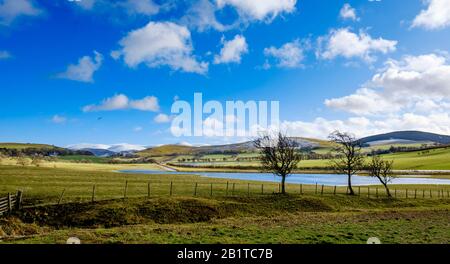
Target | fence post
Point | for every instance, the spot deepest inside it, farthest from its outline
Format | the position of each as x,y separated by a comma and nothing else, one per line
148,189
61,196
415,194
232,193
301,188
262,189
195,189
334,192
19,200
226,192
9,203
315,192
93,193
171,188
125,190
395,193
376,191
211,193
321,191
368,192
423,193
407,193
248,189
359,190
431,195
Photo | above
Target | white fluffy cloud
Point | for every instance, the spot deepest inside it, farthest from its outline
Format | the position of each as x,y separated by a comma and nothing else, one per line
4,55
361,126
84,70
344,43
348,12
12,9
161,44
290,55
201,16
436,16
232,50
412,84
162,118
259,9
363,102
122,102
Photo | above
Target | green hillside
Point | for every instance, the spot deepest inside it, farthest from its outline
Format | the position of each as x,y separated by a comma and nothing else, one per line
21,146
433,159
166,150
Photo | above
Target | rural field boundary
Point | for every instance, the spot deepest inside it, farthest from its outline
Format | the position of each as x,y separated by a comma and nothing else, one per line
10,202
233,189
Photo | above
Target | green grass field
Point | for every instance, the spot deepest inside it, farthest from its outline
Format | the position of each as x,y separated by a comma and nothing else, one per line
434,159
249,214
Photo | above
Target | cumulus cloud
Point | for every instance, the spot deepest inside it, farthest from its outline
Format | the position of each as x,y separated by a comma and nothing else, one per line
361,126
84,70
348,12
122,102
4,55
162,118
161,44
289,55
260,9
12,9
436,16
344,43
232,50
414,84
202,16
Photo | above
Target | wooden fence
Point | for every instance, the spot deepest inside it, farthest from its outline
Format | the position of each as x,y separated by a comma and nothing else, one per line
98,192
10,202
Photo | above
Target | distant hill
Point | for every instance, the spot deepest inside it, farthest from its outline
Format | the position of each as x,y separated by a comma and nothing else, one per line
406,137
99,152
102,150
172,150
15,149
21,146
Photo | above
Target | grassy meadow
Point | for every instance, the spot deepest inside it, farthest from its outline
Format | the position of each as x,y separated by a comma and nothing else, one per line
249,214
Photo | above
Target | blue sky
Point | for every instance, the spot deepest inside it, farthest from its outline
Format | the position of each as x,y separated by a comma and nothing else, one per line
107,72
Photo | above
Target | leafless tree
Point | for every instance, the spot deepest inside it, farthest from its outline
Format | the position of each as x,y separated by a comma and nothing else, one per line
381,169
348,160
279,155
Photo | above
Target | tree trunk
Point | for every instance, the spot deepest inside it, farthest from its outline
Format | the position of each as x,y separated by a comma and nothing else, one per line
350,189
387,190
283,181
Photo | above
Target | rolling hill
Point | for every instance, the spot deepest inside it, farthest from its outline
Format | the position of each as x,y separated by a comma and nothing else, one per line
406,137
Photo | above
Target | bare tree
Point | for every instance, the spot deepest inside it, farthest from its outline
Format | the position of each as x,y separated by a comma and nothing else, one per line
280,155
348,159
381,169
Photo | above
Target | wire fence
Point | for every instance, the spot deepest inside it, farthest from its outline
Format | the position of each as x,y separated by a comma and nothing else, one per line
97,192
